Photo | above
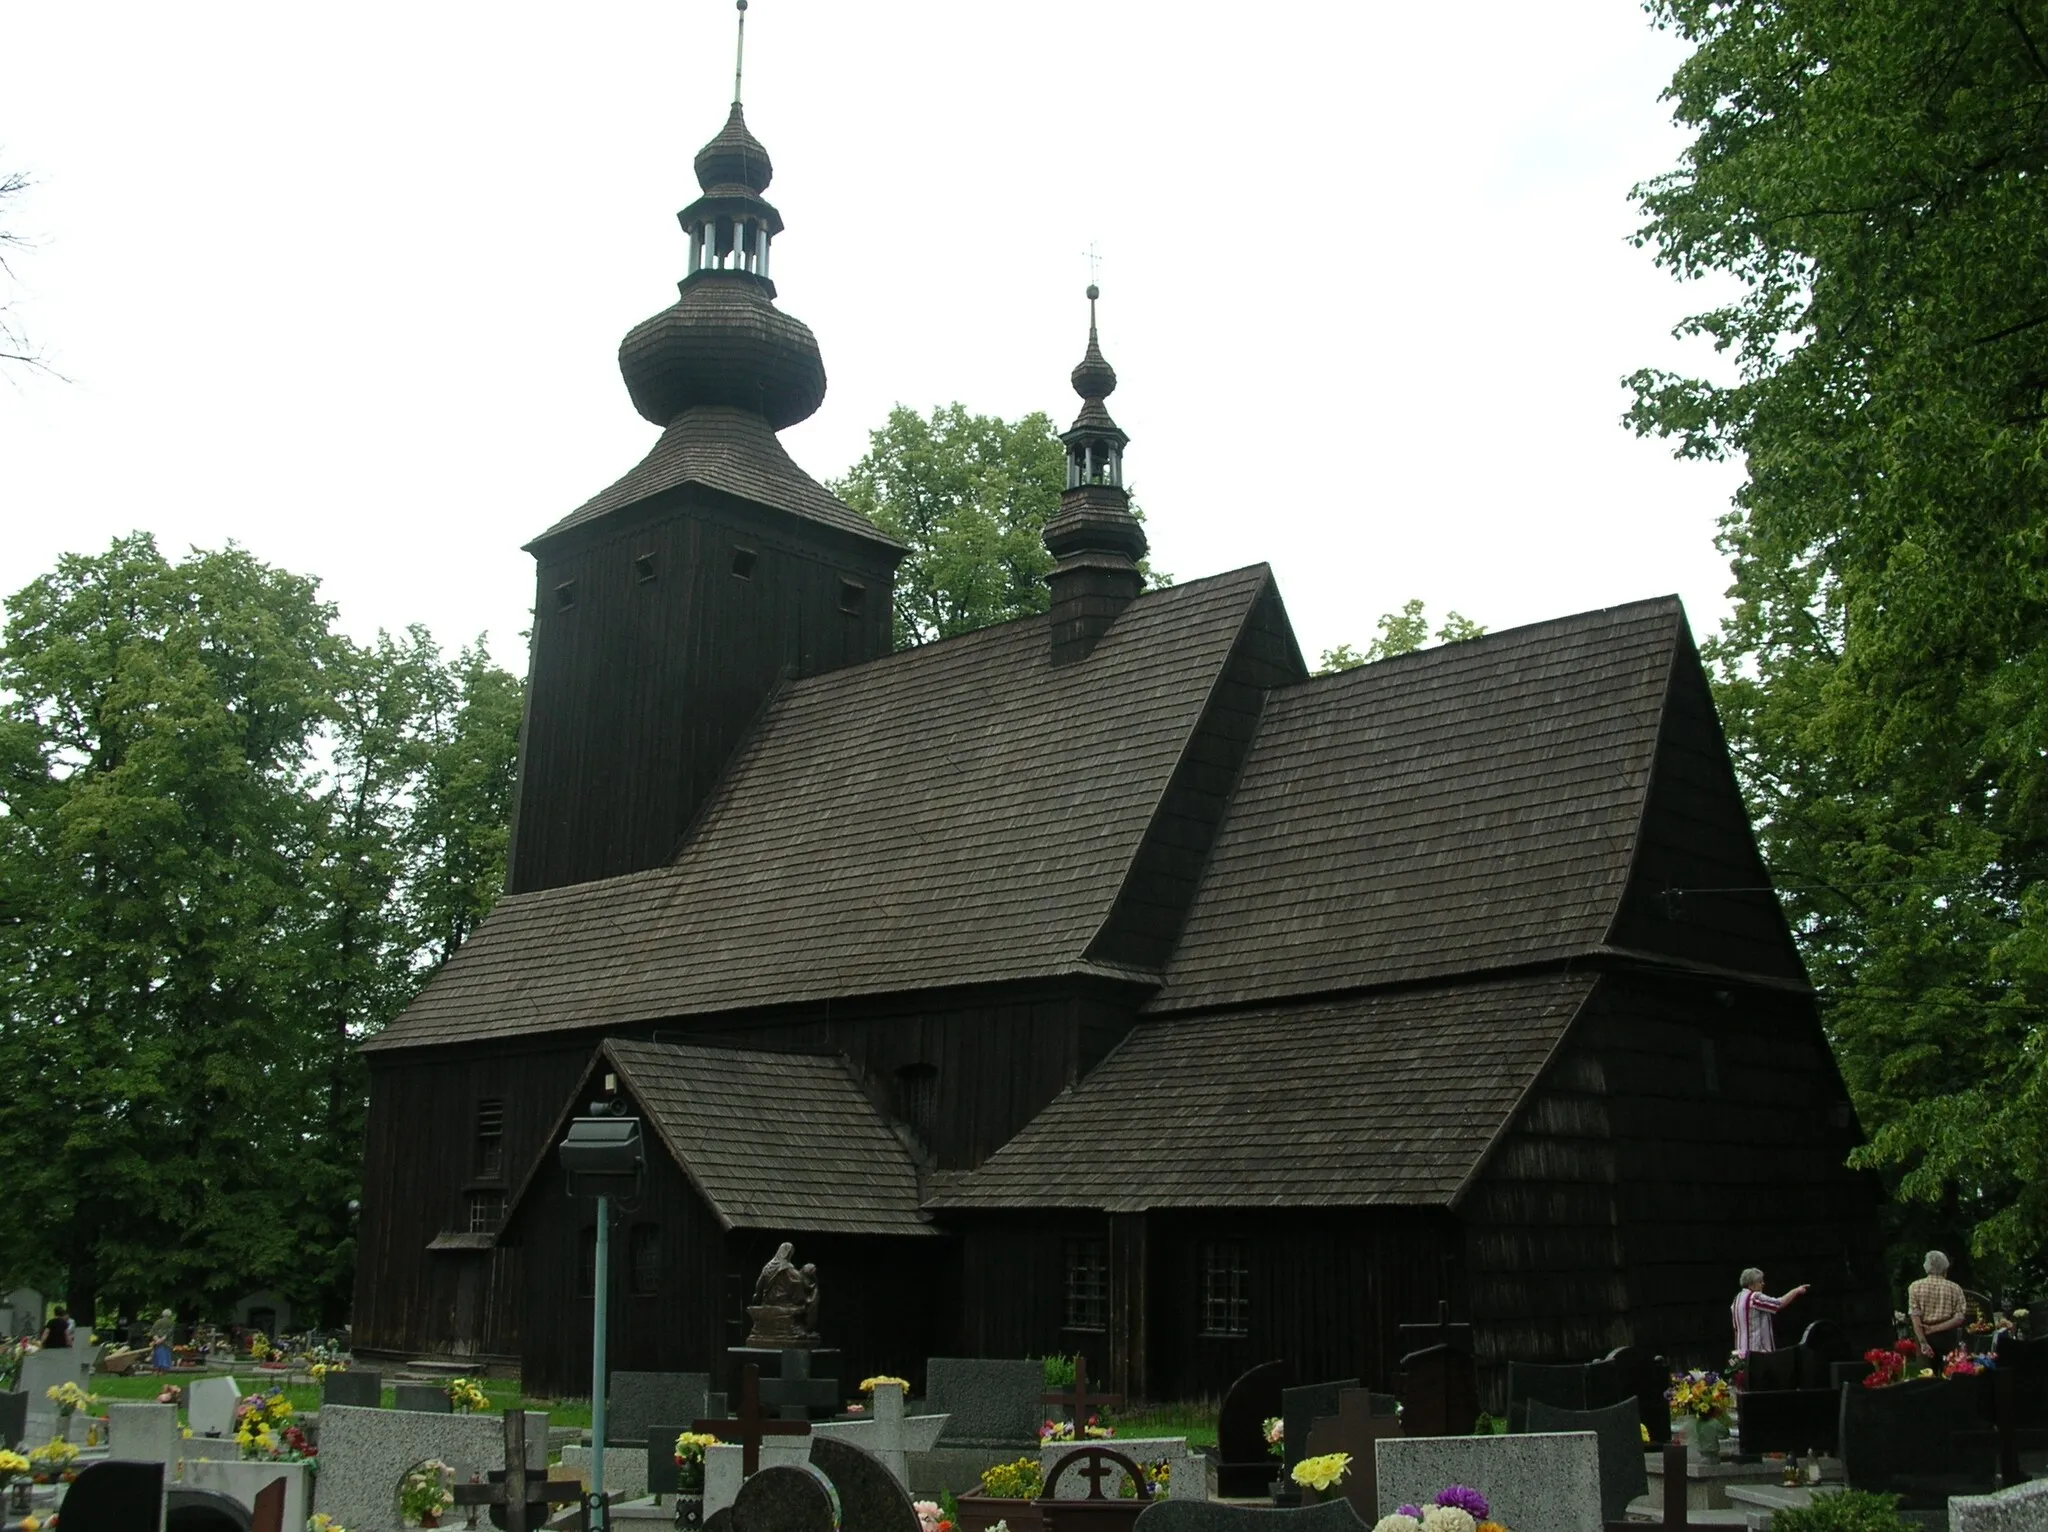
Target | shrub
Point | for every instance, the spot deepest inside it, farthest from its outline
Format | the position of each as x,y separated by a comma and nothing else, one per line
1853,1510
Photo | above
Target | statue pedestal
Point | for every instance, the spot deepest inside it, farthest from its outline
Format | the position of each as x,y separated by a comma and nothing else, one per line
797,1382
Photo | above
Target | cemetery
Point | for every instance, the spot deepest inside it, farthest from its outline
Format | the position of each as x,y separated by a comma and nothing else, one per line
1083,1072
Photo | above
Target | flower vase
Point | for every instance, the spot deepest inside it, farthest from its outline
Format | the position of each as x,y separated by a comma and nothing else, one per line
1707,1436
689,1511
430,1518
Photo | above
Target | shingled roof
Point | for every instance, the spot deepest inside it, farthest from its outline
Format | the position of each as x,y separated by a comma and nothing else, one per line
774,1140
957,814
1378,1099
1449,811
731,450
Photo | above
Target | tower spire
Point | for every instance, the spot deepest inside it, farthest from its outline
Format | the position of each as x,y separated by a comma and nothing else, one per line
1094,539
739,54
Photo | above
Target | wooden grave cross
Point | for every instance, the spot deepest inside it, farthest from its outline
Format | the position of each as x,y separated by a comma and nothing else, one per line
1078,1399
753,1423
520,1486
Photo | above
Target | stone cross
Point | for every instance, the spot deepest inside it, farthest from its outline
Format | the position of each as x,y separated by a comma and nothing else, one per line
521,1486
753,1423
1078,1399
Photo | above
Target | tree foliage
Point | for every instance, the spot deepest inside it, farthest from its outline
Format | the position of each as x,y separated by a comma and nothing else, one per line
1401,632
233,843
1875,178
969,495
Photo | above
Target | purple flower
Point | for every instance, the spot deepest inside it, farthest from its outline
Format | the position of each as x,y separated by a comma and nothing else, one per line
1470,1501
1413,1512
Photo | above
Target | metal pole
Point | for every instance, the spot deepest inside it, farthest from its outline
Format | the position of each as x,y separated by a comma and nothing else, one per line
599,1305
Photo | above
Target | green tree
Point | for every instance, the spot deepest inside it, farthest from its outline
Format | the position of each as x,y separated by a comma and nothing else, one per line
213,879
1874,176
1401,632
969,495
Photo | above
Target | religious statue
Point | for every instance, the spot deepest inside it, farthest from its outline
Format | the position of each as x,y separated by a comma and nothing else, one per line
785,1306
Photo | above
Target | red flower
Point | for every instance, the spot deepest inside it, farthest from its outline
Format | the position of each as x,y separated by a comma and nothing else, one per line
1907,1347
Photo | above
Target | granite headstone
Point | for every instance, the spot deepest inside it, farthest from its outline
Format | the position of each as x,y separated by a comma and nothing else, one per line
1534,1483
1618,1430
990,1403
1214,1516
2022,1508
364,1453
143,1433
870,1498
210,1406
786,1498
421,1398
13,1418
638,1399
362,1390
1243,1465
1924,1441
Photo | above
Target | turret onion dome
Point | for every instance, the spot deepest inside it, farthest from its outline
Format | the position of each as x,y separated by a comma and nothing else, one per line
725,342
1094,379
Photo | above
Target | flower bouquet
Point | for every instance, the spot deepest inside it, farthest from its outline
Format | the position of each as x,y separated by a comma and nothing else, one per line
1063,1430
1020,1480
69,1397
1960,1364
1700,1394
1158,1479
51,1463
266,1432
1321,1473
931,1517
690,1460
1457,1508
423,1493
170,1393
1897,1363
467,1395
1274,1430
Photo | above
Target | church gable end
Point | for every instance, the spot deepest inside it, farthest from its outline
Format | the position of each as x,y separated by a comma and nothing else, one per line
1698,890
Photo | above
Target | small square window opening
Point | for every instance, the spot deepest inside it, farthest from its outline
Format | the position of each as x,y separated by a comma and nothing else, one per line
743,563
852,596
643,568
565,595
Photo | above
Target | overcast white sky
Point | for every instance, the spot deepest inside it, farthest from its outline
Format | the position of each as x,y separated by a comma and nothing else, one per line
345,284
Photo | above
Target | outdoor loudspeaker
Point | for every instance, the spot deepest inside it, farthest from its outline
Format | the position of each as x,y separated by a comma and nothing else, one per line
602,1146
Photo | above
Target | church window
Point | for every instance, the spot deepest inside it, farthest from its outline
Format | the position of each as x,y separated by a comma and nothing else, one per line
643,1259
643,568
852,596
1225,1303
490,1138
743,563
917,1099
586,1263
565,595
486,1212
1087,1285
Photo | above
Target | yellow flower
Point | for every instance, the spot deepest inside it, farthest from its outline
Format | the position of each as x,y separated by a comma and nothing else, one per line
12,1462
1319,1473
869,1385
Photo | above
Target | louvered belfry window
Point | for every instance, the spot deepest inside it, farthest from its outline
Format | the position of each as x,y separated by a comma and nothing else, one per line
1226,1306
1087,1285
490,1138
644,1259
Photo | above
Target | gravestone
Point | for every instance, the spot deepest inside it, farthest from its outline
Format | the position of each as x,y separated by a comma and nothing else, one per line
2026,1361
871,1497
1214,1516
786,1498
26,1306
755,1434
797,1382
210,1406
203,1510
1618,1431
1300,1407
42,1371
364,1453
357,1390
1800,1420
1580,1386
421,1398
1645,1377
2022,1508
987,1403
1185,1474
725,1470
1923,1441
13,1419
115,1497
888,1435
247,1480
637,1399
1362,1421
1439,1392
1243,1465
1823,1344
143,1433
1768,1372
1534,1483
625,1468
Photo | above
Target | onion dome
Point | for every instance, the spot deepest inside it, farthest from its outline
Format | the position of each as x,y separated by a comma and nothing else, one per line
725,342
1094,539
735,159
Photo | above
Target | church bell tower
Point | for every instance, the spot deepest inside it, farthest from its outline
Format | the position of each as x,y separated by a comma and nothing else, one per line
671,606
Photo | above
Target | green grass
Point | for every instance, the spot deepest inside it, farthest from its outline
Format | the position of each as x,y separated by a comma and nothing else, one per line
1195,1420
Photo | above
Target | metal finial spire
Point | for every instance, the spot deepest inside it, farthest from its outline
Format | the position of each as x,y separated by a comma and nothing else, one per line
1094,292
739,54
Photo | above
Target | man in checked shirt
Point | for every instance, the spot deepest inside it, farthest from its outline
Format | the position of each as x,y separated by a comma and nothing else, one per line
1938,1307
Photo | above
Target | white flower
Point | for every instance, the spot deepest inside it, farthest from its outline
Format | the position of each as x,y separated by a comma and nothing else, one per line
1396,1523
1447,1518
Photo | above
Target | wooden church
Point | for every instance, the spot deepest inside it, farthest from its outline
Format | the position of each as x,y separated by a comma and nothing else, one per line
1096,982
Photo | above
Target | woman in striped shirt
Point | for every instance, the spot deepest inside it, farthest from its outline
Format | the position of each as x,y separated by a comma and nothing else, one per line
1752,1311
